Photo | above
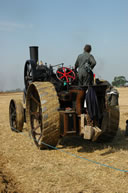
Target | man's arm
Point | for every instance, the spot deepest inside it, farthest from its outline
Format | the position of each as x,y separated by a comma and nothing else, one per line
92,61
77,63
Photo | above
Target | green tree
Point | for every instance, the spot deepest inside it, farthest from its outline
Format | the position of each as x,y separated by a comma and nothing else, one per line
119,81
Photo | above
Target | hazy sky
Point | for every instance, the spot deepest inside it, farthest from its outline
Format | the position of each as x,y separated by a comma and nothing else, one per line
61,28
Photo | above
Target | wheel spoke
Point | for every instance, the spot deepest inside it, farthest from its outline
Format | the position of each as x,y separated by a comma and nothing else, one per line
64,70
71,76
39,138
60,72
35,114
13,113
12,107
34,129
28,77
13,124
66,78
13,117
69,72
62,76
35,133
30,70
34,99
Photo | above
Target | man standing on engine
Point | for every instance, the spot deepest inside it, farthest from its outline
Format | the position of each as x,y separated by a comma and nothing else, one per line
85,63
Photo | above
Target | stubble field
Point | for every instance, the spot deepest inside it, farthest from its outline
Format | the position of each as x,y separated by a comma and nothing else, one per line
25,169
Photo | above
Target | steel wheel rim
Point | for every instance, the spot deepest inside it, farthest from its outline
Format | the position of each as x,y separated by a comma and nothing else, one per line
36,117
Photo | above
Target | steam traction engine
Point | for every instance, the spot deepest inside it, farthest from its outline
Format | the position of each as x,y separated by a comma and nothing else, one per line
53,105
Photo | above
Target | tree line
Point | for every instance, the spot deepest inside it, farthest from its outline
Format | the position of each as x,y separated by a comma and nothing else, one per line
120,81
13,90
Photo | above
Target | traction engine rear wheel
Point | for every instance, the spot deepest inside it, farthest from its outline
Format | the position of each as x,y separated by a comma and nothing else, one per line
110,124
42,114
16,115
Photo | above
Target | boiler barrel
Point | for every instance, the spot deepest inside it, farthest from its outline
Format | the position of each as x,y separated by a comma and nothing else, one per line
34,53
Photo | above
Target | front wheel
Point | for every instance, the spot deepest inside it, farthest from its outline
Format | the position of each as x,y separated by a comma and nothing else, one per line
16,115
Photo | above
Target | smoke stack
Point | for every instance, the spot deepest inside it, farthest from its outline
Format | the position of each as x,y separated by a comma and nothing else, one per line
34,53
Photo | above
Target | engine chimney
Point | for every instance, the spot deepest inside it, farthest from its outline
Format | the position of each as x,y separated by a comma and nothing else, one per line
34,53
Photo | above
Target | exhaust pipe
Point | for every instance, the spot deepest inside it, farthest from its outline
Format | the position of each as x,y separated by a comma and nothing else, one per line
34,53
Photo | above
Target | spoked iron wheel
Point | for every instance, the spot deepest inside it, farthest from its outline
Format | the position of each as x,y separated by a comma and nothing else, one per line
42,114
16,115
110,124
35,117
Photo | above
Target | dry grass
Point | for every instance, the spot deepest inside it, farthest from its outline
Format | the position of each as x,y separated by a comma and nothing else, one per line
52,171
